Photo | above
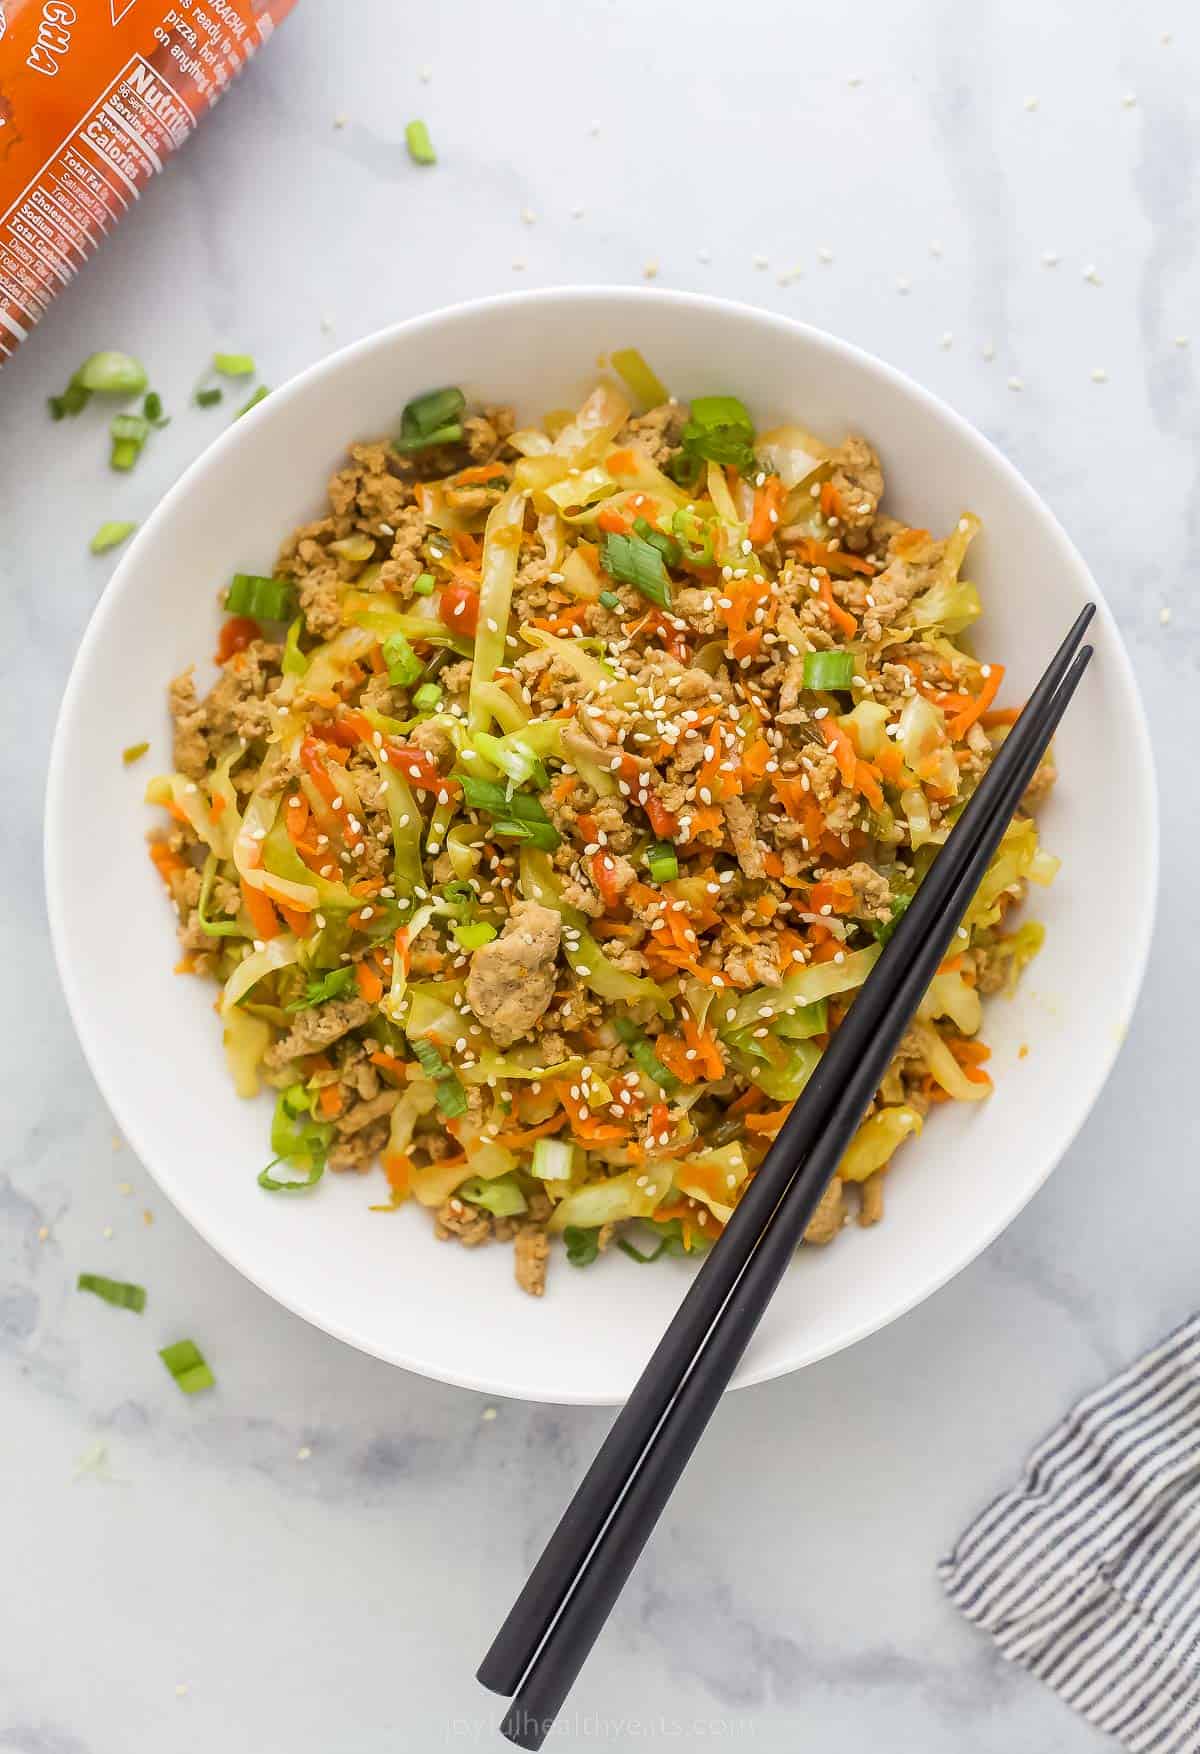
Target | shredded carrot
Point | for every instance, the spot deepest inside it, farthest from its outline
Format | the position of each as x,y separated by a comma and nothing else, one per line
604,876
830,501
185,965
890,763
466,546
834,560
398,1169
767,499
958,726
622,463
769,1122
389,1063
262,915
843,750
704,1045
368,982
841,618
866,779
837,897
1005,715
296,920
479,474
330,1101
674,1055
614,521
519,1136
165,862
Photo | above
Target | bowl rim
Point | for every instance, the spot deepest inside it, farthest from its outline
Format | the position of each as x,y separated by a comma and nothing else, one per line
1144,801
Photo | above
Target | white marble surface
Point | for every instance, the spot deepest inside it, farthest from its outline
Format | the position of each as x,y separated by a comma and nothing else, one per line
314,1557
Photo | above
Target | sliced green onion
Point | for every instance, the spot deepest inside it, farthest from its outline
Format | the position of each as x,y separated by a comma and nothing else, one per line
110,536
553,1159
133,753
427,696
424,585
234,365
537,834
666,545
442,435
432,419
291,1184
128,433
252,401
451,1097
662,862
214,928
694,538
294,661
828,669
638,563
263,598
644,1056
420,146
111,374
403,664
642,380
513,758
883,929
501,1195
210,397
186,1363
333,985
582,1245
118,1292
474,933
490,796
73,400
152,409
610,600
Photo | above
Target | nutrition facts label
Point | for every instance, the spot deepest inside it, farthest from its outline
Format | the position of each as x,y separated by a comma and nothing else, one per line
147,109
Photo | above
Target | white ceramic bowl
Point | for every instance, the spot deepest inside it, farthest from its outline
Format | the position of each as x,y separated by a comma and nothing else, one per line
380,1281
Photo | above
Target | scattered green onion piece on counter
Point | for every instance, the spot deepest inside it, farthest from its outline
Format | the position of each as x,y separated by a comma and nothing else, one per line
262,598
210,397
73,400
501,1195
252,401
642,380
293,661
128,433
424,585
111,374
187,1365
553,1160
643,1055
403,664
828,670
234,365
119,1292
610,600
662,862
427,697
582,1245
133,753
474,934
152,408
420,146
638,563
110,536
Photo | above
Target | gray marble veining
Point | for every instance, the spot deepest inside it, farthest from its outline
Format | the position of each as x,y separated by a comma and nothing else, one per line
313,1558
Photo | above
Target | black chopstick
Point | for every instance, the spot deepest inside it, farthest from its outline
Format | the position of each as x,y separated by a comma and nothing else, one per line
603,1571
540,1600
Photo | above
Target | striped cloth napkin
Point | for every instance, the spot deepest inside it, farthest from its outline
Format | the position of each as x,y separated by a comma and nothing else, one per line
1088,1571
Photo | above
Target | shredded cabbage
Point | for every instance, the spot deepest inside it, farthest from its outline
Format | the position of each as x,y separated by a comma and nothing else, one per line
818,981
876,1140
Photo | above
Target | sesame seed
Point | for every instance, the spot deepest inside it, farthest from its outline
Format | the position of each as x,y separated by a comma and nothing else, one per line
1164,615
988,350
1092,274
1031,103
650,271
1050,258
1015,384
1099,375
903,284
947,340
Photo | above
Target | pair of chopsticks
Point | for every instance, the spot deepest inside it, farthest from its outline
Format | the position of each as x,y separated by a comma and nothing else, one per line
543,1643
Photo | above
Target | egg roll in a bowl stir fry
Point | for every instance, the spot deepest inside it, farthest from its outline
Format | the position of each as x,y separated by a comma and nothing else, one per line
556,795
